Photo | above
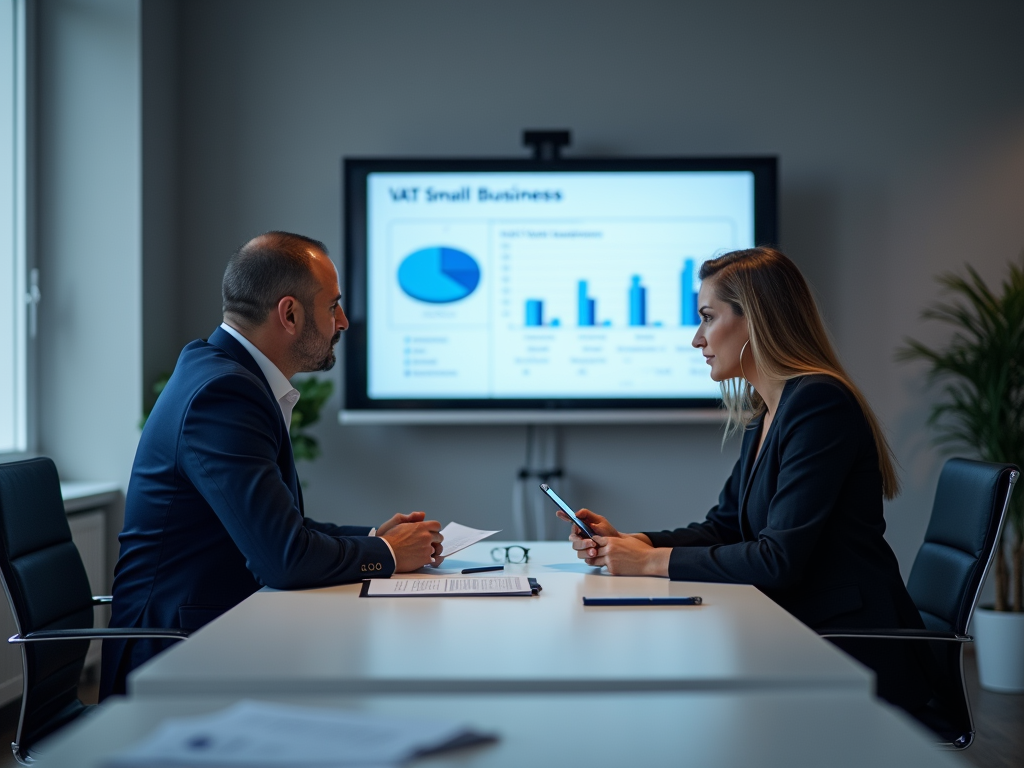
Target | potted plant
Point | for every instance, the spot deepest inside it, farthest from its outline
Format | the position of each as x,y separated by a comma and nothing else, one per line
981,370
313,393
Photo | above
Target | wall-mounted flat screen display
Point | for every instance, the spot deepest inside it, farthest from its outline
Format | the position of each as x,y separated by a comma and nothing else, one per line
491,290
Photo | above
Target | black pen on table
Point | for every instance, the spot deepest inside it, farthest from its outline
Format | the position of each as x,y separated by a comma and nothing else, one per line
642,600
484,568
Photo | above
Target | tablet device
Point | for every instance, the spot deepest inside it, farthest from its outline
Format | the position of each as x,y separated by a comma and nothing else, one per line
568,510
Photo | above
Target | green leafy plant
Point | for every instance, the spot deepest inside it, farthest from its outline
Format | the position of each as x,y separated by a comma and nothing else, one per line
313,393
981,371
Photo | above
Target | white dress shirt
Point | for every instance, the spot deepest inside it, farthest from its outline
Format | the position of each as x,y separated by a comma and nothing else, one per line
285,394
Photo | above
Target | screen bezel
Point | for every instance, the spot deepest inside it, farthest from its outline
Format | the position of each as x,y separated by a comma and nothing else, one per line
354,186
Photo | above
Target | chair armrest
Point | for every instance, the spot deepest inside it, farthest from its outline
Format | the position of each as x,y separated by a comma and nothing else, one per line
896,634
102,599
117,633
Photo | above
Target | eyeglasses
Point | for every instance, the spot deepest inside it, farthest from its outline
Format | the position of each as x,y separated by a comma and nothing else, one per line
513,554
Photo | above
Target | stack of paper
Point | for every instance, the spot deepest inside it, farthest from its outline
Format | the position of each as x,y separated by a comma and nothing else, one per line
264,735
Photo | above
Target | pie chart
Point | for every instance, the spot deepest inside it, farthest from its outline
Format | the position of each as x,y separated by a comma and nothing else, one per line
438,275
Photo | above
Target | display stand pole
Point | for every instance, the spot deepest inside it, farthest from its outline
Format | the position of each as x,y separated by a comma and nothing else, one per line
533,514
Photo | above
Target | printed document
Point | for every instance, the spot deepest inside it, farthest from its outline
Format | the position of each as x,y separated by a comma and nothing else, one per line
447,587
258,734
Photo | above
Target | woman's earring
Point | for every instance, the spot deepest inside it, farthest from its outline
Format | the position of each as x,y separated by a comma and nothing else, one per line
742,372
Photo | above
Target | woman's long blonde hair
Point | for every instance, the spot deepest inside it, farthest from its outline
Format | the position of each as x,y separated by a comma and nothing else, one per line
787,337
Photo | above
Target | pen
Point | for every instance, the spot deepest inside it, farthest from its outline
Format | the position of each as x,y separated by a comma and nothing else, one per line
484,568
642,600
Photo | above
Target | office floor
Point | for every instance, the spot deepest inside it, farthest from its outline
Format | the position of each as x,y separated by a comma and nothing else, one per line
88,692
999,718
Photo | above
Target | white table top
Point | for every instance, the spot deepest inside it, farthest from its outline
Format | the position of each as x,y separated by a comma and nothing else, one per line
769,729
330,641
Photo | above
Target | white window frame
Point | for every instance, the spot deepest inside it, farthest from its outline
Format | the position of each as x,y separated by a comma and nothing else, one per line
26,277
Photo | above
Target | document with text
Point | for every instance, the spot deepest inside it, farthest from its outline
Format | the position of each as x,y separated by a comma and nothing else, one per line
448,587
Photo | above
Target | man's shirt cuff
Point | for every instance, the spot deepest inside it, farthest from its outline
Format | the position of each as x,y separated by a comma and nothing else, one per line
373,532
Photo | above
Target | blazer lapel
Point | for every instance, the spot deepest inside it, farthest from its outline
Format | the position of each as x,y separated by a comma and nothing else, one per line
227,342
750,458
754,458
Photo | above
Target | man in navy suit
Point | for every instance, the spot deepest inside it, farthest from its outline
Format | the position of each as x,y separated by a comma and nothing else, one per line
214,508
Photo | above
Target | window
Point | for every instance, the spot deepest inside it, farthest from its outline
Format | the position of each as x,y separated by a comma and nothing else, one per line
15,311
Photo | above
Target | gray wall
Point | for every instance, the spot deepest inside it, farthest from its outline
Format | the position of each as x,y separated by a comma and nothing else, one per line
159,105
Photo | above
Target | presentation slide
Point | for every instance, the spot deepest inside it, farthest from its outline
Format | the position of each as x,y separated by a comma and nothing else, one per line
544,285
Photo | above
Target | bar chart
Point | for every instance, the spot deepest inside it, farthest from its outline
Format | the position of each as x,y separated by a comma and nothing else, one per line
600,304
637,314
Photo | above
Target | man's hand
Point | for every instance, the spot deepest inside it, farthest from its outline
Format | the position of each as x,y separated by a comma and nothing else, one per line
415,541
412,517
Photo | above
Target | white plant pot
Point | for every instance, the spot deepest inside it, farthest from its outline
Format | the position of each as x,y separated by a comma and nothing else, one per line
999,640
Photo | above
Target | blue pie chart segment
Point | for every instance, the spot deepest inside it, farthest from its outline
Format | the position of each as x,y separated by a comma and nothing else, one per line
439,275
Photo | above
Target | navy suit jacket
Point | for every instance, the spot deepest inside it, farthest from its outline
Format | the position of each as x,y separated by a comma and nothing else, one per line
803,522
214,509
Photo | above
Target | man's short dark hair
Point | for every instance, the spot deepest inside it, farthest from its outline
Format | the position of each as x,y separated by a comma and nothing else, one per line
264,271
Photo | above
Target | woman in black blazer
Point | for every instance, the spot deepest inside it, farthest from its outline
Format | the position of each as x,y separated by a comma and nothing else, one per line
801,516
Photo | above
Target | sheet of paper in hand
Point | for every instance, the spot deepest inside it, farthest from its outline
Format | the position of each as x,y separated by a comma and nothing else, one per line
458,537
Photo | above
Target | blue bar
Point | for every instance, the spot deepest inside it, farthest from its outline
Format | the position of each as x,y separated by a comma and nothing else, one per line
585,306
637,303
591,312
534,312
689,296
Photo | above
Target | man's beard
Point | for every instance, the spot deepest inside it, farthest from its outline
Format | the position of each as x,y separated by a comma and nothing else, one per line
314,352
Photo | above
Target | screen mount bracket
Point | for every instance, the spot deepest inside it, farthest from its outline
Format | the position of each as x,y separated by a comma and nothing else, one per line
547,145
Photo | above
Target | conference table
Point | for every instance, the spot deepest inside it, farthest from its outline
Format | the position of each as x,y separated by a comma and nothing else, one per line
733,681
331,641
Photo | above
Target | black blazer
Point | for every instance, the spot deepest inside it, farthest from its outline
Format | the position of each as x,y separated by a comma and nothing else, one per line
803,523
214,508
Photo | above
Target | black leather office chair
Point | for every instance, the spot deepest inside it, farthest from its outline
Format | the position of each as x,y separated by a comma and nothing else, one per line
49,594
949,571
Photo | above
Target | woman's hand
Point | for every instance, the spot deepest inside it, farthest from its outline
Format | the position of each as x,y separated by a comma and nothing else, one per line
623,554
580,541
629,555
597,524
